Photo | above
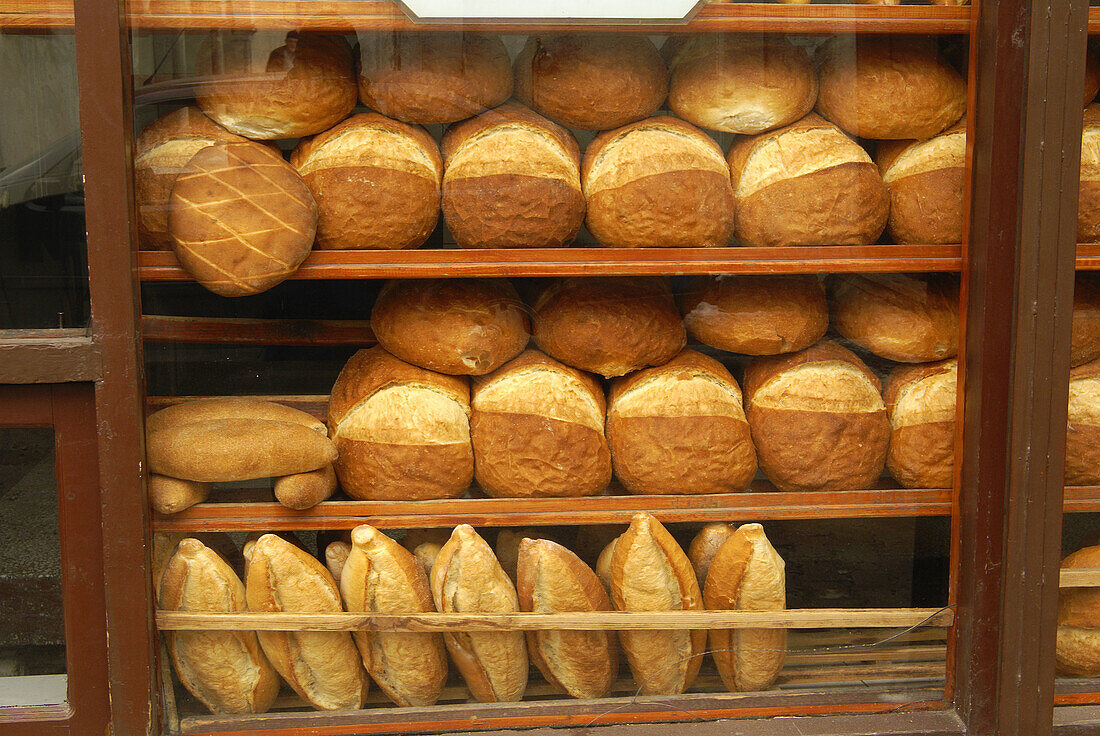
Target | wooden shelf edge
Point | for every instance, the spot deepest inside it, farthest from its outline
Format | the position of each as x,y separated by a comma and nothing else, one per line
1081,499
1088,254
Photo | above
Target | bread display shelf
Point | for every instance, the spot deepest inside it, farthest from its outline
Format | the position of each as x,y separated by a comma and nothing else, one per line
1088,254
310,332
1079,577
1081,499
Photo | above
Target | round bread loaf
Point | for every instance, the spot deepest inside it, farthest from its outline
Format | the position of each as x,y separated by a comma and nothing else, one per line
397,164
925,179
162,149
538,430
1083,426
806,184
743,84
1092,76
920,401
609,326
660,182
1077,652
680,428
431,78
1088,196
403,432
907,318
241,219
513,180
455,326
1085,340
756,315
888,87
591,81
306,86
817,418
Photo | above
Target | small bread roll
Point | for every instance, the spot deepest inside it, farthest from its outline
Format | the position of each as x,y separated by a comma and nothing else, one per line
756,315
196,411
817,419
454,326
336,556
306,490
680,428
1085,340
649,572
513,180
241,219
431,78
920,401
538,430
907,318
660,182
705,545
925,179
888,87
591,81
165,543
426,554
225,670
403,432
806,184
306,86
739,83
609,326
323,667
1077,651
398,164
507,545
551,579
603,563
1088,195
467,578
747,574
173,495
381,576
1083,426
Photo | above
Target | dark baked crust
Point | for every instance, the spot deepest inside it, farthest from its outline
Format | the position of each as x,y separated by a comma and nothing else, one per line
923,455
378,471
927,207
512,211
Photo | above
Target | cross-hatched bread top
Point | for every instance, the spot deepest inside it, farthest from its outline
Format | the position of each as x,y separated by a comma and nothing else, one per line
371,140
691,384
534,383
922,394
825,377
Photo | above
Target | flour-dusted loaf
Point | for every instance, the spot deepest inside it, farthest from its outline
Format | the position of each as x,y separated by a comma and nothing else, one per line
1088,195
920,400
925,179
1083,426
506,546
1077,652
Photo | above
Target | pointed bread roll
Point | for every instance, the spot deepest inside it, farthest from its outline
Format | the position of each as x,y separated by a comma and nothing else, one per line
705,545
336,556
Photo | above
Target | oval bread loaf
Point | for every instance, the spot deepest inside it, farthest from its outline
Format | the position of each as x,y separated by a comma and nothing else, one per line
1083,426
1088,194
306,490
1077,652
172,495
925,179
705,544
229,407
920,401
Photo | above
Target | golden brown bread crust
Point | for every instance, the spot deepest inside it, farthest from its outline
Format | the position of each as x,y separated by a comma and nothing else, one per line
172,495
431,78
1082,465
925,179
506,546
551,579
764,368
755,315
591,81
1088,195
1085,340
920,401
229,407
1078,647
705,544
336,556
306,490
609,326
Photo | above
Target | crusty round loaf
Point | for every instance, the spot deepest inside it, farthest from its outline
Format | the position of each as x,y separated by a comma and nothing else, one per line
743,84
591,81
925,179
907,318
398,164
755,315
806,184
454,326
817,418
920,401
888,87
609,326
402,432
538,430
432,77
1083,426
680,428
660,182
241,218
513,180
1077,652
1085,340
1088,196
306,86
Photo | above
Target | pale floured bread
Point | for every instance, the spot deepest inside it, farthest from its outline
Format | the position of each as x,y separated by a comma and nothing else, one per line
591,81
1085,340
336,556
747,574
609,326
455,326
403,432
705,545
603,563
551,579
398,164
680,428
241,218
756,315
920,401
817,418
660,182
324,667
225,670
649,572
426,554
1088,195
381,576
165,543
907,318
306,490
1083,426
888,87
432,77
925,179
303,87
806,184
736,83
538,430
229,407
513,180
172,495
467,578
1077,652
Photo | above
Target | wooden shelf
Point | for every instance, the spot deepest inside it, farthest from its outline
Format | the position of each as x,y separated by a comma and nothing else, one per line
1094,20
1088,254
1081,499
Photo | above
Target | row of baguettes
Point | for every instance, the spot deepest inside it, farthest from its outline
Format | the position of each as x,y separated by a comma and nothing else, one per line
643,569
